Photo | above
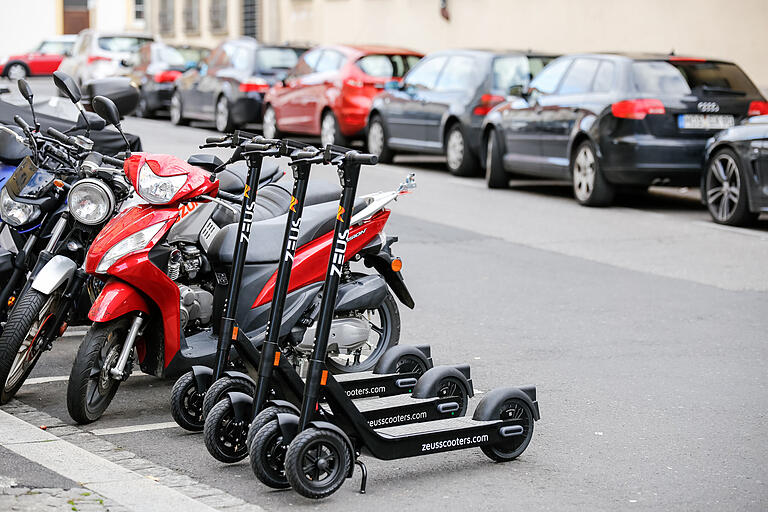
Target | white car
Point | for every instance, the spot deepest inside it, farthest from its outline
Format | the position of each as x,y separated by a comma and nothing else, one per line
103,54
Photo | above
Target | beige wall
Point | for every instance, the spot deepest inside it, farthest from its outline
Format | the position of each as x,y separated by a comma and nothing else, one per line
25,24
734,30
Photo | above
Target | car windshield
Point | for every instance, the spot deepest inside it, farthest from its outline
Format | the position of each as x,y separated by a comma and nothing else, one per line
268,59
122,44
193,54
682,77
170,56
55,47
516,70
387,66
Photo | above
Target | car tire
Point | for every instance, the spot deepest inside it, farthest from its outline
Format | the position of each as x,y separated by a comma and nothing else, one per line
376,140
223,115
725,190
589,184
329,130
458,156
495,175
142,108
269,124
177,109
16,71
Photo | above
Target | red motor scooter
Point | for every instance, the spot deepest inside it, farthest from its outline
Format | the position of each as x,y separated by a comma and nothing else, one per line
165,291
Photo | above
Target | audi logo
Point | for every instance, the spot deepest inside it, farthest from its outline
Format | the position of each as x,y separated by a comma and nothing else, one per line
708,106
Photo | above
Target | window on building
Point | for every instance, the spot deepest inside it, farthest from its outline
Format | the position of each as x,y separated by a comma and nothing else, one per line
250,16
192,16
218,16
166,17
138,9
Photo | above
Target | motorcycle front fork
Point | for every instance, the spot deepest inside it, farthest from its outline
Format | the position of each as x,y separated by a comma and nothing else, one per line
118,372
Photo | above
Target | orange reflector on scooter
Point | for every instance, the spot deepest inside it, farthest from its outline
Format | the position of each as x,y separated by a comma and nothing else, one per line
397,264
58,183
324,378
235,330
11,301
277,359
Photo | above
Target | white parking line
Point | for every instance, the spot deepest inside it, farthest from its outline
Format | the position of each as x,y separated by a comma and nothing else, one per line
133,428
60,378
126,487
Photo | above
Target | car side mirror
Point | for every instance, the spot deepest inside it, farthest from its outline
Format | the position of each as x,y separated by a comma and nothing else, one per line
126,63
67,53
518,90
67,85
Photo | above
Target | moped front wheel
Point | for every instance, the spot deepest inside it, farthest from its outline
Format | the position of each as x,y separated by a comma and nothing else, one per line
91,387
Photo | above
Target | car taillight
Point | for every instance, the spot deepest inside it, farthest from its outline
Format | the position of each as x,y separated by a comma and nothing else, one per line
254,85
637,109
94,58
487,102
167,76
758,108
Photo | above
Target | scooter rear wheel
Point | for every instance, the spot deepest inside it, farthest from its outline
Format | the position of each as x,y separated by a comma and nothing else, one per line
452,387
267,452
520,412
225,434
317,463
219,389
187,404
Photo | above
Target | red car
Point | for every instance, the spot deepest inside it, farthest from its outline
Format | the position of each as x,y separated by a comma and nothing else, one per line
330,90
42,61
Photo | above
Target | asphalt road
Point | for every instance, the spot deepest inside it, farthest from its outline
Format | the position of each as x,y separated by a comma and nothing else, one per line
642,325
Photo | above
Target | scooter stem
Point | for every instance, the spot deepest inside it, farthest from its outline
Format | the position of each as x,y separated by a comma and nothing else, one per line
349,172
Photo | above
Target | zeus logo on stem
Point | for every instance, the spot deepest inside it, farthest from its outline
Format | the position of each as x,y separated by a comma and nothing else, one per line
293,239
339,252
247,221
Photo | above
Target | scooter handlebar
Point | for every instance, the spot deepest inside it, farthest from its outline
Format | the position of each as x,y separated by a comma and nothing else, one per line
214,140
362,158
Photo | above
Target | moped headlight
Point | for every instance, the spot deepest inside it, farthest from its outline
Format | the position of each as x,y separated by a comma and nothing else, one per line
158,189
90,202
126,246
15,213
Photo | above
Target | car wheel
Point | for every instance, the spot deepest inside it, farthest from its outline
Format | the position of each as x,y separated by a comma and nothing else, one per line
495,175
726,190
16,71
177,112
223,118
329,130
269,124
377,140
142,107
459,158
589,184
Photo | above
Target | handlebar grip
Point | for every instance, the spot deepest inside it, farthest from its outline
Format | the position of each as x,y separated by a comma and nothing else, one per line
214,140
112,161
232,198
59,136
21,122
305,154
263,140
256,147
93,158
362,158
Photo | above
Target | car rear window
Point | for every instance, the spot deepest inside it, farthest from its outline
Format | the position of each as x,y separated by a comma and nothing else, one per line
386,66
268,59
685,77
516,70
169,55
56,47
121,44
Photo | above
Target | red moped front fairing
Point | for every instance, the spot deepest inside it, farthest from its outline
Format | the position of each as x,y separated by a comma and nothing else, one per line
311,261
198,180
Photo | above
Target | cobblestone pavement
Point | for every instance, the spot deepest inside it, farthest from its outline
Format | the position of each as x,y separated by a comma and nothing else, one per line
79,499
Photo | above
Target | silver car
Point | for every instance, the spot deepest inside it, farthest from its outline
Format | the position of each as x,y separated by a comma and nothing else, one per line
103,54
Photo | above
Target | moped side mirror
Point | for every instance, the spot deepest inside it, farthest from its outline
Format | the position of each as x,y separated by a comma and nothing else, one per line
25,90
107,110
67,85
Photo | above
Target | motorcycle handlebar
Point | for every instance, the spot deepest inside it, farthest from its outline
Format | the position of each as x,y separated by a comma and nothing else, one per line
112,161
232,198
21,123
93,158
59,136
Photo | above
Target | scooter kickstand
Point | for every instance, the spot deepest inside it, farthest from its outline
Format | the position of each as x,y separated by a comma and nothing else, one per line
364,471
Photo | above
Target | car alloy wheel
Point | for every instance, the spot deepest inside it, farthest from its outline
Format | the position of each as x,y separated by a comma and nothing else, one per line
222,114
454,150
269,124
376,138
584,174
176,108
726,190
328,129
16,71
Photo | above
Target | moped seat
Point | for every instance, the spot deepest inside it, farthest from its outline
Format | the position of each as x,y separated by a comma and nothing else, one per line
266,238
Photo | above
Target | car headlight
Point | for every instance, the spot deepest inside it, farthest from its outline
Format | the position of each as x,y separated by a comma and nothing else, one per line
126,246
15,213
158,189
90,202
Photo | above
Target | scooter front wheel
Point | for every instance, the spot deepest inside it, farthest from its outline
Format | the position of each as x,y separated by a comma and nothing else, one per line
317,463
225,434
187,403
267,451
520,412
91,388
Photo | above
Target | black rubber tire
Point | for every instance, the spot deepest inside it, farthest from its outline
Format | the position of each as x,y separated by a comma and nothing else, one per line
740,216
451,386
338,138
392,335
229,125
312,439
187,404
495,175
22,318
224,435
501,454
180,120
267,458
89,356
602,192
219,389
468,164
264,417
386,155
411,363
142,108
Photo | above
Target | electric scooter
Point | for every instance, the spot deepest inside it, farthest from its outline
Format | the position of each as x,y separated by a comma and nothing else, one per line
438,393
323,446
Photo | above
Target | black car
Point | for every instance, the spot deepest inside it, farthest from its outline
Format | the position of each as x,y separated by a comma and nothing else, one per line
229,85
616,120
157,66
440,104
735,183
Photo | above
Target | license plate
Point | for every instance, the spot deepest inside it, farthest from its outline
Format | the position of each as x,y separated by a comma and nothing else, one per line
20,177
704,122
